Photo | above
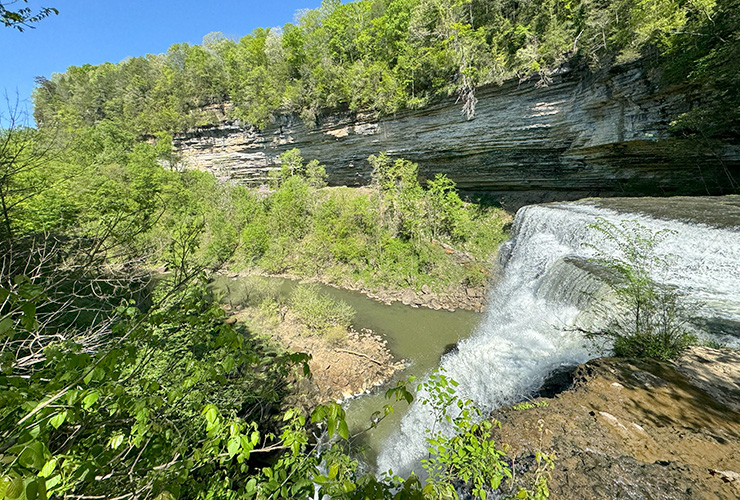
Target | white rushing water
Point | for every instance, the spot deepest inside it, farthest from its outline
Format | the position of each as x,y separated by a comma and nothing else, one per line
528,329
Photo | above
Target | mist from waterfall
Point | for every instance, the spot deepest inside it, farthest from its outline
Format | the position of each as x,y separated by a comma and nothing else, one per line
529,329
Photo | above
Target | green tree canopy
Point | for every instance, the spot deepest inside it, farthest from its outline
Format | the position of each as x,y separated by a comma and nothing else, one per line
14,15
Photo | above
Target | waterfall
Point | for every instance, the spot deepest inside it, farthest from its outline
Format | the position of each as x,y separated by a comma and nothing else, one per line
544,293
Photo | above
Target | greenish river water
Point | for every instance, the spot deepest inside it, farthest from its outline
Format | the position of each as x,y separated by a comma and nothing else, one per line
419,336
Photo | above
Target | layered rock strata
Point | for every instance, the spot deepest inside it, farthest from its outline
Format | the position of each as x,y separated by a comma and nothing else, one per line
583,134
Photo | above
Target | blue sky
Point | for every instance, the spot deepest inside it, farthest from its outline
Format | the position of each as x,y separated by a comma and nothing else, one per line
98,31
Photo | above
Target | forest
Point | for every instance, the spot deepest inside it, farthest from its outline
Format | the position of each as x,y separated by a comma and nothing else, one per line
388,55
119,374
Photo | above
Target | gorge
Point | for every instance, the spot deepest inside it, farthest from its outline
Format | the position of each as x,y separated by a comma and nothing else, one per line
583,134
230,269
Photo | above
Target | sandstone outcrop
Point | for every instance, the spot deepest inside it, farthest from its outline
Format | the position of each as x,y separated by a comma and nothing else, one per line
583,134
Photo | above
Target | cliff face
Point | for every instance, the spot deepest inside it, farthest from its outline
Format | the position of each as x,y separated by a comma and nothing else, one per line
583,134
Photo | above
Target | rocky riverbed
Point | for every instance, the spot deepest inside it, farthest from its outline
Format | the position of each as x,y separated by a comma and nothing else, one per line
341,367
460,297
637,429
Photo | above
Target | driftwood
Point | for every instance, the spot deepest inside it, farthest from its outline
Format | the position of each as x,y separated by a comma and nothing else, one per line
361,355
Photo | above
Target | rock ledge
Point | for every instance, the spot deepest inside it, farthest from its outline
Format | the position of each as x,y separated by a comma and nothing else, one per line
639,429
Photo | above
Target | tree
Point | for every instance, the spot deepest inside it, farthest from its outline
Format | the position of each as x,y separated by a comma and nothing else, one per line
24,152
400,194
22,18
445,210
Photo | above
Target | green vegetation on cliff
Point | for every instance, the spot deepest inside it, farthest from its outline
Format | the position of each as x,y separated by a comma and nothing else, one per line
385,55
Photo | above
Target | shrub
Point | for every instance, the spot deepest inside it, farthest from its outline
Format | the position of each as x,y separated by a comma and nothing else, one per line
475,275
288,209
655,321
468,455
319,311
315,174
445,211
255,240
335,335
256,289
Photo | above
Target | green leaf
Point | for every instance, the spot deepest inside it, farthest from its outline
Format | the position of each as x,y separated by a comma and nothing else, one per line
33,456
211,414
72,397
233,446
6,326
116,441
228,363
48,468
15,488
343,429
251,485
348,486
53,481
29,315
90,400
32,490
333,471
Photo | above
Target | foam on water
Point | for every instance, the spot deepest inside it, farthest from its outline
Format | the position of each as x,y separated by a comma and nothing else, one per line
526,335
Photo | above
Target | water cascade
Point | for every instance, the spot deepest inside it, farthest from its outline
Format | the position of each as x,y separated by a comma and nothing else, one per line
546,292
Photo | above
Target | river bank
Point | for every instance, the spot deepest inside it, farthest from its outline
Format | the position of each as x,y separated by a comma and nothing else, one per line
341,368
382,342
467,298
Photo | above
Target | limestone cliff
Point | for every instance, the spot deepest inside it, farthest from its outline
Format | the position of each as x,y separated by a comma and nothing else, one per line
582,134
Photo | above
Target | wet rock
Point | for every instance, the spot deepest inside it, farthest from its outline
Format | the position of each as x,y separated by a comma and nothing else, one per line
558,381
450,348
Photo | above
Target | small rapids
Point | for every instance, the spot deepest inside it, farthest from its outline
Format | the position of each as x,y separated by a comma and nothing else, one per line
530,328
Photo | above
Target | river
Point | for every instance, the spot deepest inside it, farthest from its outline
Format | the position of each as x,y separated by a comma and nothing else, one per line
419,336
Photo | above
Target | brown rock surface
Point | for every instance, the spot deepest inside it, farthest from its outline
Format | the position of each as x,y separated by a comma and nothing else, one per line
639,429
